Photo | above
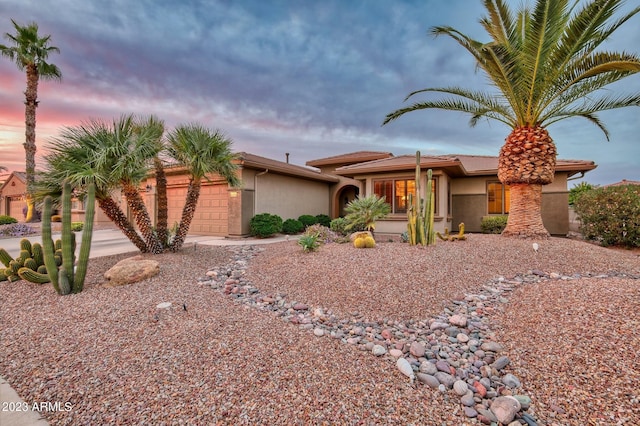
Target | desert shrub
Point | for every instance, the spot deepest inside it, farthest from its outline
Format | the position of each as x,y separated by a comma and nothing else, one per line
265,225
365,211
77,226
323,220
610,215
307,220
6,220
579,189
324,234
493,224
17,230
338,225
309,242
292,226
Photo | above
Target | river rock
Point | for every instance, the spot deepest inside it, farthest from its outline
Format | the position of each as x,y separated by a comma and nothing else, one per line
460,387
417,349
428,368
505,408
501,363
491,347
510,381
459,320
379,350
428,380
445,378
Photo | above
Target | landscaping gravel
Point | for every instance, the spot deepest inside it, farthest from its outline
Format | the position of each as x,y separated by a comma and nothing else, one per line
248,336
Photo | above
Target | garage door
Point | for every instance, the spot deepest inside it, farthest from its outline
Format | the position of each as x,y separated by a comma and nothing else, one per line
16,205
211,216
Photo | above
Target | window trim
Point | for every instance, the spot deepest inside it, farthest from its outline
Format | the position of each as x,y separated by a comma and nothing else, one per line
503,197
423,185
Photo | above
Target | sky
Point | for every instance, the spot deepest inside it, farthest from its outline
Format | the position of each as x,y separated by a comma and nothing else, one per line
312,78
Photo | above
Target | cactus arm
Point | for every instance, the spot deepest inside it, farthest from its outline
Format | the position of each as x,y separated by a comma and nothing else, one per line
47,245
85,245
5,257
65,286
67,240
33,276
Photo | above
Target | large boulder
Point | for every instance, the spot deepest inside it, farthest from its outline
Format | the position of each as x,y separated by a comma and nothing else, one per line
132,270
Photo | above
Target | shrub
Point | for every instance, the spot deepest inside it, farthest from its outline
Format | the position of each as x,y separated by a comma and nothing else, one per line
6,220
579,189
307,220
493,224
265,225
323,220
338,226
365,211
610,215
17,230
309,242
292,226
77,226
324,234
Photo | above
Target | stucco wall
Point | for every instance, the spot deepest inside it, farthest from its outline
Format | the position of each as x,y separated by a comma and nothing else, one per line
290,197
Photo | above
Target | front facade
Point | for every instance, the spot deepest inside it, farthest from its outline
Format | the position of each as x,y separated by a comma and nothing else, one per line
466,190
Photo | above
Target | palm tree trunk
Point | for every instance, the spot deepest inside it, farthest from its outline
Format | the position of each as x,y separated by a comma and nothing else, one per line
31,103
115,214
193,194
525,219
163,203
141,216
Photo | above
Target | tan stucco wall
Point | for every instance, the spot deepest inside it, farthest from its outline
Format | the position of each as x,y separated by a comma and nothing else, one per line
289,197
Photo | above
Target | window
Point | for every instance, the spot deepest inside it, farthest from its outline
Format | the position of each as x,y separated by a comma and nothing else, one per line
498,198
396,192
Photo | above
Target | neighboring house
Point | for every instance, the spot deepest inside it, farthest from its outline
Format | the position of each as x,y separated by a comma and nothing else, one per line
12,193
623,182
466,190
12,201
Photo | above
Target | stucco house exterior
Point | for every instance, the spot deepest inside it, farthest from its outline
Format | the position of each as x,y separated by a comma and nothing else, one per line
466,190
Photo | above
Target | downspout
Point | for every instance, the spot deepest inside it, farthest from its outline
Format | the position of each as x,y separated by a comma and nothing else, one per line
255,189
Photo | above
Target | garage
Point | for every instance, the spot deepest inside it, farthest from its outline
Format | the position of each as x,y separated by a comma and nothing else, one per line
14,207
211,215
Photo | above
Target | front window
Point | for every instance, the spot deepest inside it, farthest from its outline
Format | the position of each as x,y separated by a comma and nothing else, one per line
396,192
498,198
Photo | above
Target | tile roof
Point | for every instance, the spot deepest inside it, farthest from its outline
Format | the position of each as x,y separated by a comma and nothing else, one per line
255,161
349,158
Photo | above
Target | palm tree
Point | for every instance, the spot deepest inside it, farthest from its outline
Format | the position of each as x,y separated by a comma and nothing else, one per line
30,53
202,152
115,156
545,67
364,212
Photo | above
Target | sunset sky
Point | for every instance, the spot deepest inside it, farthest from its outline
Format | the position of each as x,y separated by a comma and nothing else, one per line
311,78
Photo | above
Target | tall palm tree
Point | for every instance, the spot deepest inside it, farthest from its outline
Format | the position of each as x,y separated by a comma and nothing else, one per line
202,152
30,53
545,66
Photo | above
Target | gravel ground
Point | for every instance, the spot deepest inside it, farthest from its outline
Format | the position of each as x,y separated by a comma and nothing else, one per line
117,359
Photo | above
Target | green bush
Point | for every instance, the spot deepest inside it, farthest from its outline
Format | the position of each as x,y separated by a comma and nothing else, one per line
292,226
307,220
5,220
338,225
77,226
493,224
610,215
323,219
309,242
579,189
265,225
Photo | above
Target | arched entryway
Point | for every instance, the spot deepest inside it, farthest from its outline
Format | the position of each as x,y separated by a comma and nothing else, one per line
344,196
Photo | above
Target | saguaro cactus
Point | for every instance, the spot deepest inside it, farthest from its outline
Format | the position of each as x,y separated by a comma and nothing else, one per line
64,280
420,211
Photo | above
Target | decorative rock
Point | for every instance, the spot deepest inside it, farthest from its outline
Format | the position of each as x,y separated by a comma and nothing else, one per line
428,380
163,305
318,332
443,366
501,363
462,338
300,307
405,368
428,368
132,270
491,347
480,389
446,379
524,400
379,350
386,334
438,326
470,412
459,320
467,400
460,387
488,415
417,349
396,353
510,381
505,408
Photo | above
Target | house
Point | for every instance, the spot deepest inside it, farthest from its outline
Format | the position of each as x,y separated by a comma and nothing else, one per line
466,190
12,192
